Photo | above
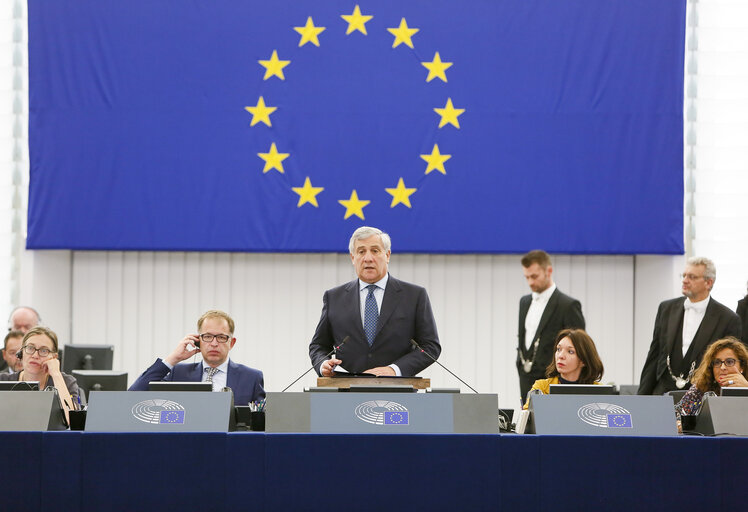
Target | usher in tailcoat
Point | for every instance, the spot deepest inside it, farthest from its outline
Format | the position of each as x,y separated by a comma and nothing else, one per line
719,322
405,314
561,312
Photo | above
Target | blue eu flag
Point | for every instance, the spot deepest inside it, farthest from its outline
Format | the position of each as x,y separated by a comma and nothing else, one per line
619,421
171,417
285,125
396,418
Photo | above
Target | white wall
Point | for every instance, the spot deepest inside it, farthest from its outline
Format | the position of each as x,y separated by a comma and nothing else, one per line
143,303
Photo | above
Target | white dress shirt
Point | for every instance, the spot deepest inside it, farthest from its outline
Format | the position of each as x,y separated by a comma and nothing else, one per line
534,314
692,318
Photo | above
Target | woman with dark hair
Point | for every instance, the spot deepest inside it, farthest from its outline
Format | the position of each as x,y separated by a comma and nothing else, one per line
724,364
575,361
40,364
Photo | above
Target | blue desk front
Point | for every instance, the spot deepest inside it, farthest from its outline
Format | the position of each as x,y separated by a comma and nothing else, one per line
82,471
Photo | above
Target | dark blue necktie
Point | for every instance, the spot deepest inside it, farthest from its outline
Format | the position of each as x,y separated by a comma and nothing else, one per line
371,315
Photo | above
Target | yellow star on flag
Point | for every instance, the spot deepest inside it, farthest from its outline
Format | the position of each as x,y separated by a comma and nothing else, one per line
274,66
402,34
436,160
449,114
436,68
260,112
356,21
309,32
307,193
273,159
354,206
400,194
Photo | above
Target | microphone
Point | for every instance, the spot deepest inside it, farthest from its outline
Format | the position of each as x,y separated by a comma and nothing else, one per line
417,346
334,349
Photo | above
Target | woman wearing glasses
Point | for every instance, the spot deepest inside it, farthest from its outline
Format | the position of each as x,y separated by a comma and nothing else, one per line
40,364
724,365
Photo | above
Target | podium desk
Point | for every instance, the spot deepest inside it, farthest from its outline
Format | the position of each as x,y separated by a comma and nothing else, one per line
382,413
602,415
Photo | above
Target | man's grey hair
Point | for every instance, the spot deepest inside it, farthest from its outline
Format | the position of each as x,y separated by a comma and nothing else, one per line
18,308
365,232
710,270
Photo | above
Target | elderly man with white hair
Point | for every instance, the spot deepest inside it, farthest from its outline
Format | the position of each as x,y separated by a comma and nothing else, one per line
684,328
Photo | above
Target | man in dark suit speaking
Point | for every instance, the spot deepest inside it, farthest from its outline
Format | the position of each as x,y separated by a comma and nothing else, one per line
214,340
542,315
684,328
376,316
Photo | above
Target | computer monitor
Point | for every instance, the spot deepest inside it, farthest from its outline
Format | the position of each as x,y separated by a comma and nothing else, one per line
582,389
100,380
734,392
158,385
14,385
87,357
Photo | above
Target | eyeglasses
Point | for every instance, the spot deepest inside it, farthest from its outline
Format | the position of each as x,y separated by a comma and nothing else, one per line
691,277
220,338
43,352
729,362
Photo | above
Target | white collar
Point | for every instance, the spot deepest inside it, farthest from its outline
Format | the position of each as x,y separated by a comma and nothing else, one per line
699,307
223,367
382,283
545,294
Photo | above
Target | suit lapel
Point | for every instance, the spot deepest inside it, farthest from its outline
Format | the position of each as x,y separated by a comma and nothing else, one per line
547,313
196,373
353,308
674,322
392,296
524,307
230,375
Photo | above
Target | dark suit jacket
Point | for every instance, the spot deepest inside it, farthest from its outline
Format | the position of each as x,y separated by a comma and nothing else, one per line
561,312
719,321
246,383
742,312
405,314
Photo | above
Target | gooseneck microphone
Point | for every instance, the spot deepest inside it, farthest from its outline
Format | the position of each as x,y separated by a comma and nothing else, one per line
417,346
334,349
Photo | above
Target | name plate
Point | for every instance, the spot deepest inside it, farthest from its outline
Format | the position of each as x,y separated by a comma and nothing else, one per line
381,413
723,416
596,415
30,411
159,411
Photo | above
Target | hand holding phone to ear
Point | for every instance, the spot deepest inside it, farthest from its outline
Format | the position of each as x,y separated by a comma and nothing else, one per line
185,349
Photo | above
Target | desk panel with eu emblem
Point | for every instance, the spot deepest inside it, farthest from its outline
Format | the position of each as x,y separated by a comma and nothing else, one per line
382,413
596,415
159,411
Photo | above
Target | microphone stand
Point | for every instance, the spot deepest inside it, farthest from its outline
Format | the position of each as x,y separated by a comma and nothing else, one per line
416,345
314,365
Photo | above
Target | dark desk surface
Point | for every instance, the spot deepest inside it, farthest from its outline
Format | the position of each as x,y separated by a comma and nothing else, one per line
79,471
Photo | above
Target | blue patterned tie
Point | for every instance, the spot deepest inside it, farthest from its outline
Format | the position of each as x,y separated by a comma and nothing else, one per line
371,315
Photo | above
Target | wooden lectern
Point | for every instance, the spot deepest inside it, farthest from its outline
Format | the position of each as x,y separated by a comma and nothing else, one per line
347,382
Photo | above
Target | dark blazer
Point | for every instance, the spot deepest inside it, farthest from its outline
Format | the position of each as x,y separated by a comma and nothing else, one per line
246,383
561,312
405,314
719,321
742,312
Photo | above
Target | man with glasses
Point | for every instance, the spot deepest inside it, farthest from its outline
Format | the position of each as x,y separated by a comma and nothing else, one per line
214,340
684,328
